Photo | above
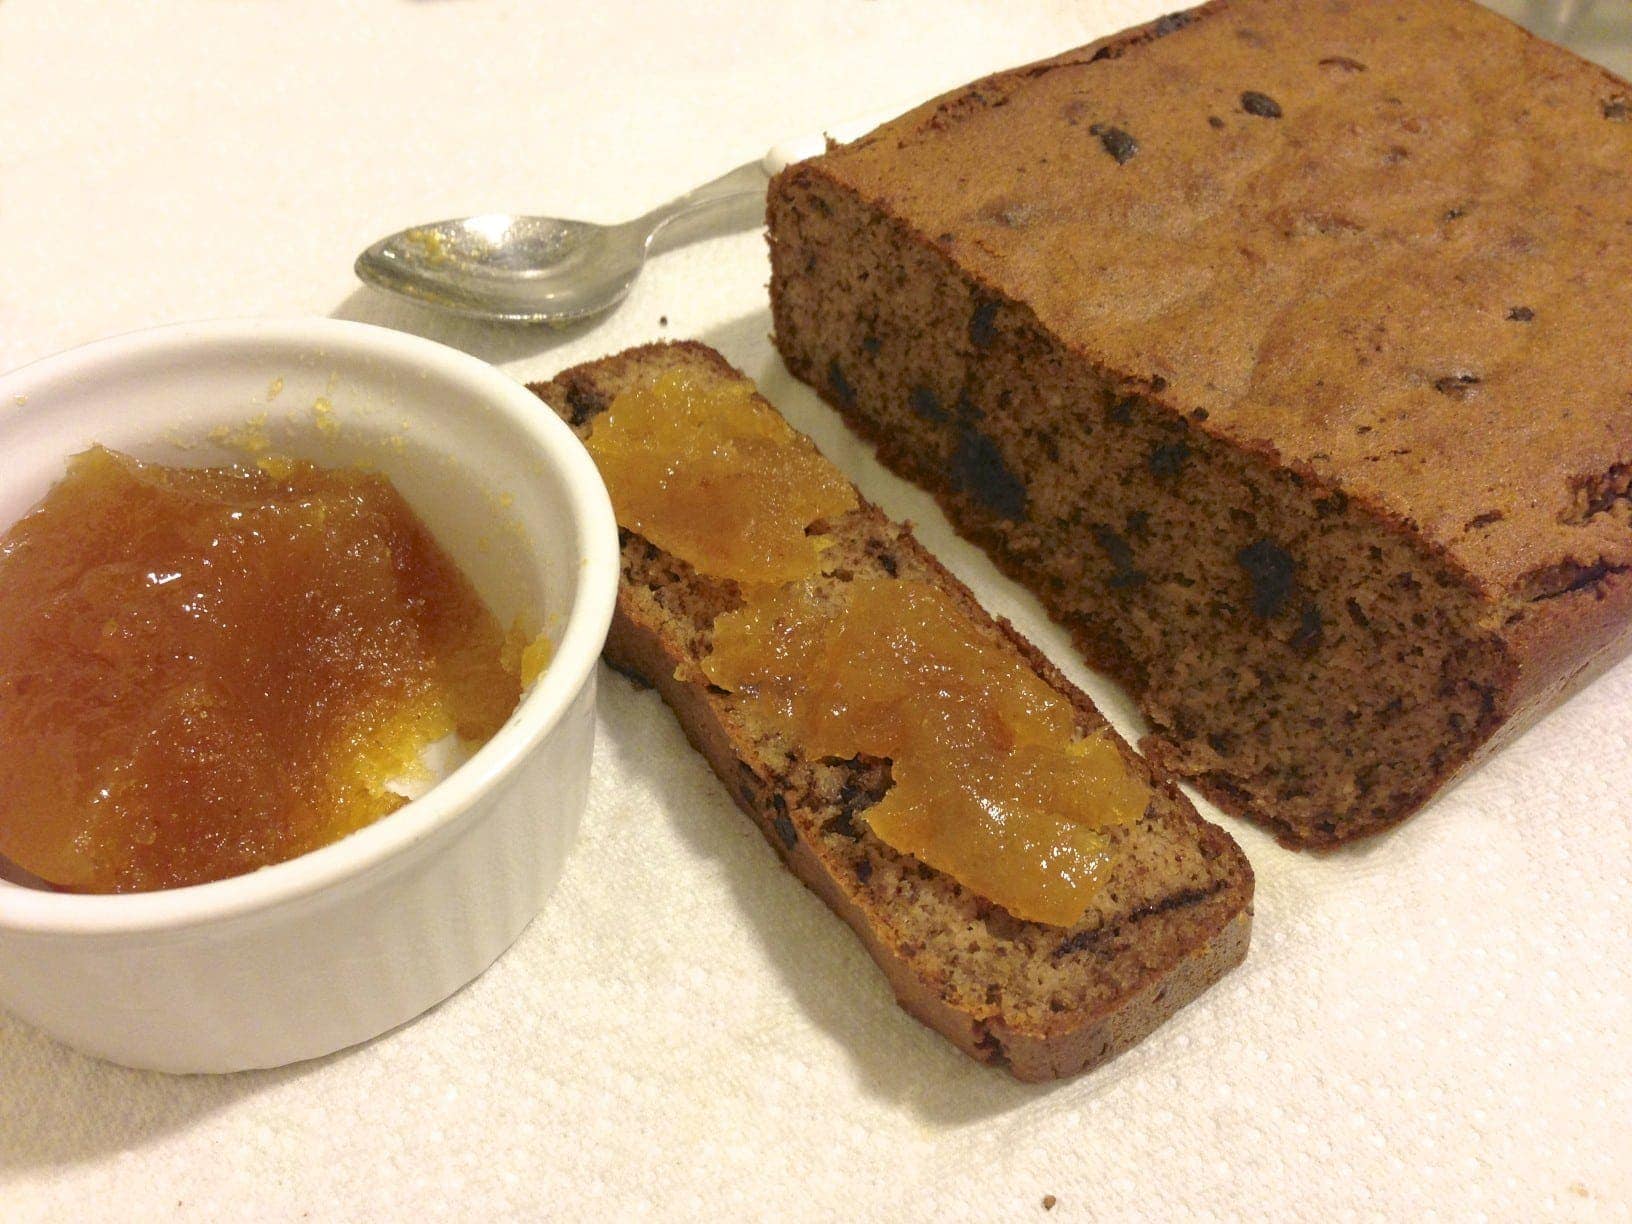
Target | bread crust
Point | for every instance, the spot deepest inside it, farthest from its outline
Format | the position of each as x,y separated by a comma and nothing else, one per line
1429,502
1165,957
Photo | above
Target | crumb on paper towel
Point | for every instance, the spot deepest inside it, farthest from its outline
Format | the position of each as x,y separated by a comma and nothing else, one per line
1048,1202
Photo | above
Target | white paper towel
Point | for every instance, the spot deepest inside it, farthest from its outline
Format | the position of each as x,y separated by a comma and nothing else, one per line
1434,1022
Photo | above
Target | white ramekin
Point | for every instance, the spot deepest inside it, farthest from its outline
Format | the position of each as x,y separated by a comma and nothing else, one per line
309,956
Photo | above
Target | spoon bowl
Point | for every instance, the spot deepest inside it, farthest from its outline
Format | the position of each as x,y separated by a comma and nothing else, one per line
514,268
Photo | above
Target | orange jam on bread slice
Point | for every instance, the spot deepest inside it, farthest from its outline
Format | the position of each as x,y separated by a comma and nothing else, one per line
205,671
715,479
992,781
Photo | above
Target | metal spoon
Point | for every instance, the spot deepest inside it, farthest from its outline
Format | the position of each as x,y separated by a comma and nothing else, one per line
548,270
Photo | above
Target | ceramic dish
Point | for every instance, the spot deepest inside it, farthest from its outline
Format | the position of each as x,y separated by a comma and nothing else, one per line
332,948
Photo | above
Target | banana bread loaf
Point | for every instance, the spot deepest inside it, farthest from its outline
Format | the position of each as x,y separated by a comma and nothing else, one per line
1284,349
1046,1001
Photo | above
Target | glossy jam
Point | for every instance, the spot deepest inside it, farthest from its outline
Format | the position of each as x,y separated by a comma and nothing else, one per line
991,782
709,474
206,671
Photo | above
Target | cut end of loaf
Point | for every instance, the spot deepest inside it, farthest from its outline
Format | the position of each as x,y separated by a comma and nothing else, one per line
1308,666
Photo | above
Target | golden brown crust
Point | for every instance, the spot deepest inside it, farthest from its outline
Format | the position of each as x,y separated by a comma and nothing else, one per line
1160,955
1410,283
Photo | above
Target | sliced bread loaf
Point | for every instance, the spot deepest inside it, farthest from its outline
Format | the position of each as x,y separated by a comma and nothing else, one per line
1280,349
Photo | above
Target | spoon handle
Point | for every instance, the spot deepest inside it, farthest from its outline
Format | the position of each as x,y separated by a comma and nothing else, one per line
735,191
728,193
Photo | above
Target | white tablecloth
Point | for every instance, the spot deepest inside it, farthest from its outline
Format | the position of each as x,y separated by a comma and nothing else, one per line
1435,1021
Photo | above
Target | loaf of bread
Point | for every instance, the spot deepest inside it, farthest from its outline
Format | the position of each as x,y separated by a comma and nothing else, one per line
1282,349
1045,1001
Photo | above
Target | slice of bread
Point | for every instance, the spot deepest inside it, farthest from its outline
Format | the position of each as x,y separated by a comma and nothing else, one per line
1045,1001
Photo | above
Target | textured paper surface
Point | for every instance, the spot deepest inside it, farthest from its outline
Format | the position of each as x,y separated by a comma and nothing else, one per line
1436,1021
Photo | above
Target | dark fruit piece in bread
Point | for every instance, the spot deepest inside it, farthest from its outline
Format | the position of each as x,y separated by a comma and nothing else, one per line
1045,1001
